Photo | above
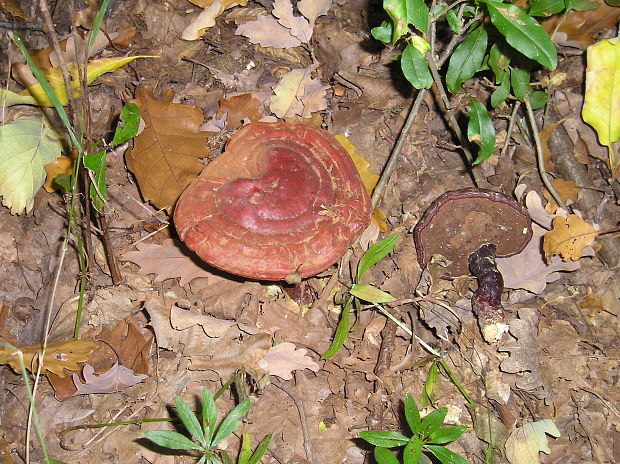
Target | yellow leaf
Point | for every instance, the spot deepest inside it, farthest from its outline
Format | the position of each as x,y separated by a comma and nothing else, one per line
58,356
602,96
369,179
568,237
63,165
568,191
54,76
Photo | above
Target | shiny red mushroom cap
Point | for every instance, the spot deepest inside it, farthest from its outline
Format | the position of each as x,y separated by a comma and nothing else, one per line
283,198
459,222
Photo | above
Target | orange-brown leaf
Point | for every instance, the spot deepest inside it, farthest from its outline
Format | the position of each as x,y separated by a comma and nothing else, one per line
63,165
238,108
58,356
568,237
165,157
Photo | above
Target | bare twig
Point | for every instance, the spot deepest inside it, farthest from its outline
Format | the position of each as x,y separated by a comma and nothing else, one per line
511,126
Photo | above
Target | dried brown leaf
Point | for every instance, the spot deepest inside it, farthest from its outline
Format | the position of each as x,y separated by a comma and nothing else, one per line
169,260
298,94
58,356
165,156
268,32
239,109
116,379
281,360
298,26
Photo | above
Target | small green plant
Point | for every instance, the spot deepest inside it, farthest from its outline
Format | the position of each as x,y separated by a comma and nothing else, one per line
426,437
206,434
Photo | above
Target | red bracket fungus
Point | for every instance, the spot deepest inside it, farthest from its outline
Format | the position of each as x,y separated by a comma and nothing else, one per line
470,227
283,199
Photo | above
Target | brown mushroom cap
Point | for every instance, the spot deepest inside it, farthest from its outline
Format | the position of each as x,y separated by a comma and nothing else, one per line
459,222
282,198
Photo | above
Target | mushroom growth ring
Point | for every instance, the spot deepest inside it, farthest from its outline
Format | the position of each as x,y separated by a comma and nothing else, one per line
283,198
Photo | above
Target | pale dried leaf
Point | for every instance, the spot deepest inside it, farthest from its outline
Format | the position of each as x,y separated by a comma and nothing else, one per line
529,270
116,379
168,261
312,9
213,327
568,238
281,360
298,94
525,443
314,98
524,358
268,32
206,18
298,25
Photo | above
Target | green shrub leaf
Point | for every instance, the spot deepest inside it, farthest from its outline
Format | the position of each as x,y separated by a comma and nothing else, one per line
171,440
382,33
412,451
342,330
500,94
231,421
523,32
415,68
546,7
209,414
466,59
412,414
433,421
384,438
480,130
375,253
128,127
445,456
189,420
385,456
442,436
371,294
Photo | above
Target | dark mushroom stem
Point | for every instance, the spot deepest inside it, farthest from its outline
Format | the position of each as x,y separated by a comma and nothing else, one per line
486,301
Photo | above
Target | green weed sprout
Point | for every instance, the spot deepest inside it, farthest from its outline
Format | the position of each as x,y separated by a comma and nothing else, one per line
426,437
206,435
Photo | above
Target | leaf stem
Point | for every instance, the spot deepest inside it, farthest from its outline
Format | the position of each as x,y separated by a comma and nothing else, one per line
540,155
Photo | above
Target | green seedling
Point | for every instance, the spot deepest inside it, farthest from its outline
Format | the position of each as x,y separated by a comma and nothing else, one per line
427,437
206,434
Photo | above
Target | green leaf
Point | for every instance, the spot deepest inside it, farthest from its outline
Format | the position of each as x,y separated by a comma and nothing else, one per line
500,94
261,449
546,7
190,421
453,21
480,130
27,144
405,12
202,460
412,414
246,449
538,99
231,421
209,414
171,440
384,438
585,5
498,62
433,421
128,125
226,459
375,253
445,455
342,330
466,59
442,436
523,32
520,80
430,386
385,456
382,33
412,451
95,162
601,107
371,294
415,68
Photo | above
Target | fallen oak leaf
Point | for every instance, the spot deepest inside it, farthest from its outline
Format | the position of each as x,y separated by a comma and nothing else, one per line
266,31
239,108
116,379
292,92
206,19
299,26
58,356
165,156
281,360
568,237
525,443
169,260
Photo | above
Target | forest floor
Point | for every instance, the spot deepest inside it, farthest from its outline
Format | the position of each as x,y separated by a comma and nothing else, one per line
186,326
